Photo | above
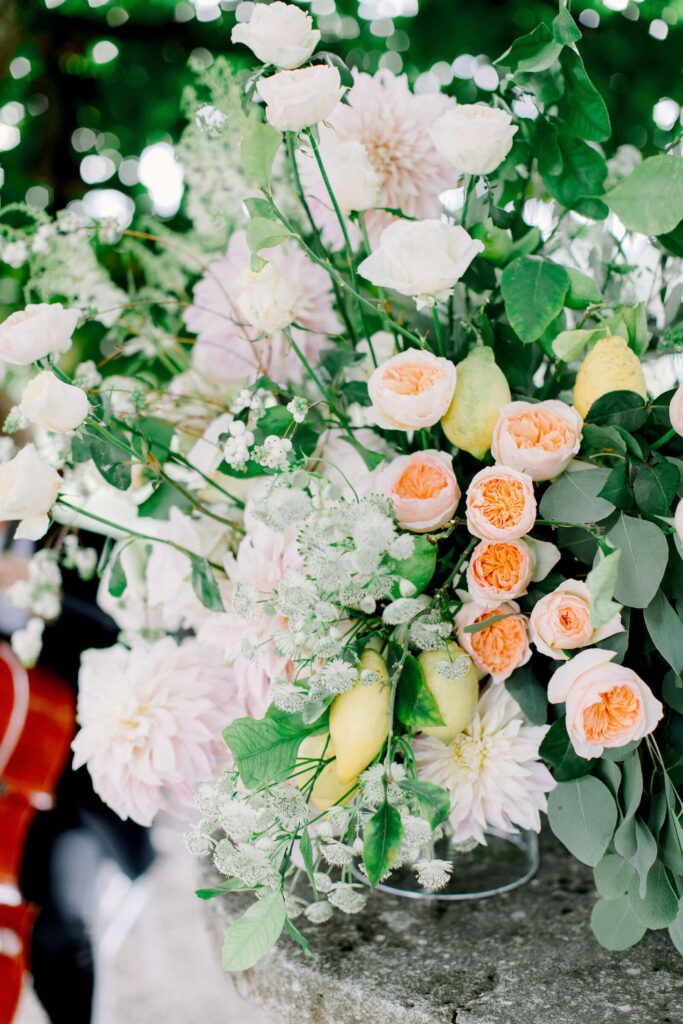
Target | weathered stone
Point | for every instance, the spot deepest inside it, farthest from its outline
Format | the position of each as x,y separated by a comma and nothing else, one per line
527,957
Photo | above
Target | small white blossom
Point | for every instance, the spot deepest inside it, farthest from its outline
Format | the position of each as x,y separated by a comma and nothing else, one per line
337,854
87,376
318,912
403,547
323,882
273,452
298,407
402,610
27,643
197,842
433,874
454,669
15,253
347,899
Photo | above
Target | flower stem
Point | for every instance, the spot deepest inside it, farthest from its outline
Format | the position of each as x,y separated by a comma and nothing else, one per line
437,329
666,437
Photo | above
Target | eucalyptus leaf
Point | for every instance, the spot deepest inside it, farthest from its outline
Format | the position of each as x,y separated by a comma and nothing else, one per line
523,686
556,748
658,905
600,581
574,497
615,925
612,876
666,630
644,554
582,814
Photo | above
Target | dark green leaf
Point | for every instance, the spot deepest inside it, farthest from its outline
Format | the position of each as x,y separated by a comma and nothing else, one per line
117,577
418,569
523,686
415,706
265,749
534,52
565,29
433,801
533,292
382,842
666,630
620,408
583,110
583,290
618,488
581,179
655,488
558,751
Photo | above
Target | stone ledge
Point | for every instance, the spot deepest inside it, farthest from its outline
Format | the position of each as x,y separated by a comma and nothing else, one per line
527,957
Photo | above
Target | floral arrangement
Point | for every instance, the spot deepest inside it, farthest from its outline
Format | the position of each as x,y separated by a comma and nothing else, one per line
387,450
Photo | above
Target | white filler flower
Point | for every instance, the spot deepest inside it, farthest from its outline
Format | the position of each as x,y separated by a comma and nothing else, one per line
491,770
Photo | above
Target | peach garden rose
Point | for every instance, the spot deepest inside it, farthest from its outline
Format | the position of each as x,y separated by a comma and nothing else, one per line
538,438
676,410
501,504
423,489
411,390
560,621
498,649
608,705
499,571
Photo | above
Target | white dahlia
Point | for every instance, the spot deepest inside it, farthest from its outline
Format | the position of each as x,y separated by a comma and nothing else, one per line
392,124
491,770
151,720
228,347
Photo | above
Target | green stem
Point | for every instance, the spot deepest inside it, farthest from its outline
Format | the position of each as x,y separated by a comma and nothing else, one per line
133,533
666,437
342,223
316,233
437,329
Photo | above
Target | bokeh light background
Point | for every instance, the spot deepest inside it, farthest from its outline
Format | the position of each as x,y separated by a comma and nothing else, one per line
90,89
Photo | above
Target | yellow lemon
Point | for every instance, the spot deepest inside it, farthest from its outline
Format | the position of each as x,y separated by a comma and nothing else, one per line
359,719
457,698
609,366
481,391
327,789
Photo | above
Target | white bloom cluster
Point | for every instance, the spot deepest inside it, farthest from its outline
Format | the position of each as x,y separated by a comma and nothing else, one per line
41,592
236,448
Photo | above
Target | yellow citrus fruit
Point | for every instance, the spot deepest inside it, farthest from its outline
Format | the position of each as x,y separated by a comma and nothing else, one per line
327,789
609,366
481,391
359,719
457,698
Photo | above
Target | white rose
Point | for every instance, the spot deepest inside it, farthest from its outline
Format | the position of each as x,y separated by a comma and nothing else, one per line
297,99
279,34
265,299
474,138
355,182
421,258
37,331
28,489
52,404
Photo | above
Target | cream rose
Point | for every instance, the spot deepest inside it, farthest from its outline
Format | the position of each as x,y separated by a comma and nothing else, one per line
676,410
411,390
37,331
420,258
608,705
496,650
560,621
473,138
279,34
539,438
423,489
501,504
354,181
499,571
297,99
53,404
28,489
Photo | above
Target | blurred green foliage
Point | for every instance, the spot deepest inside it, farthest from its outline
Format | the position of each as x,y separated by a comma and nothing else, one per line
105,77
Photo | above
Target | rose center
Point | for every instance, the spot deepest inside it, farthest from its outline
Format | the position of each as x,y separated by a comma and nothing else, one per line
420,480
501,502
540,429
411,378
499,565
497,645
616,711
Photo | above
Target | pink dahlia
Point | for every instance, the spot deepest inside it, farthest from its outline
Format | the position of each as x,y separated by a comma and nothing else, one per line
151,720
392,123
228,348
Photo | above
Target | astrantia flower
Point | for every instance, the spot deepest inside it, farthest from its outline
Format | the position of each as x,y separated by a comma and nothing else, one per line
393,125
491,770
227,347
433,874
151,721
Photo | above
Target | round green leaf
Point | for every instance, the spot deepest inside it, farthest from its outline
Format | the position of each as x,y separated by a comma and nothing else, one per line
650,199
659,906
582,814
644,554
612,876
574,497
615,925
